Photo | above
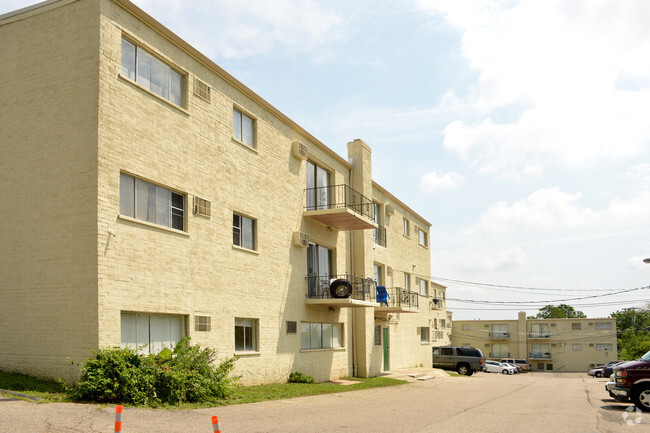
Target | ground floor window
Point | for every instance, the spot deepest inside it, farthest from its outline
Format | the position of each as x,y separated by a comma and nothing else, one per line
245,335
151,333
424,335
320,335
377,335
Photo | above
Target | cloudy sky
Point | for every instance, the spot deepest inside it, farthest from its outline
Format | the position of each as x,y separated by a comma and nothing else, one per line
519,129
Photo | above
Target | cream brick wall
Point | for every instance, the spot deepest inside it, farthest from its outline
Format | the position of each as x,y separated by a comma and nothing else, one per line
48,185
564,356
79,124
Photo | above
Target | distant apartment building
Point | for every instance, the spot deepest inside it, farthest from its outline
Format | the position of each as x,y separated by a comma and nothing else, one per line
148,195
547,344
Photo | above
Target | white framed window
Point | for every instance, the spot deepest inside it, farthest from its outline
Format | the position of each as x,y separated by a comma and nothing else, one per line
576,326
317,187
320,335
152,73
423,286
424,335
576,346
465,327
500,350
378,273
422,237
608,347
243,128
443,323
604,325
246,335
202,323
406,227
146,201
377,335
244,232
407,281
151,333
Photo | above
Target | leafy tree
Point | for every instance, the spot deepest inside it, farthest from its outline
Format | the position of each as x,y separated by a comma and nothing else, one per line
562,311
633,327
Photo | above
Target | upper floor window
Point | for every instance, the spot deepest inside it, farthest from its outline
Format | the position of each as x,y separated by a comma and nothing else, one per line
378,271
407,281
152,203
406,227
318,191
152,74
603,325
243,231
423,287
243,128
422,237
576,326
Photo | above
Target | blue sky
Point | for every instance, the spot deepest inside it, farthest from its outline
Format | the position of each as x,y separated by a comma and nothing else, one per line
519,129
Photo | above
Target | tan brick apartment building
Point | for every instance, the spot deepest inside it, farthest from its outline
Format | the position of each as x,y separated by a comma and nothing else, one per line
547,344
148,195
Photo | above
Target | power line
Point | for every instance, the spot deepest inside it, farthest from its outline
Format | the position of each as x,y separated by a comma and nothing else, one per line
478,301
486,285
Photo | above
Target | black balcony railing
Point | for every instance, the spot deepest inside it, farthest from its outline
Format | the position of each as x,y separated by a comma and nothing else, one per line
540,355
402,298
361,289
379,235
339,197
539,335
499,335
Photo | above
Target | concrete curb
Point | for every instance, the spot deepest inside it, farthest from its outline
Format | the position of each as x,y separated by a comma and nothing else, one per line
21,395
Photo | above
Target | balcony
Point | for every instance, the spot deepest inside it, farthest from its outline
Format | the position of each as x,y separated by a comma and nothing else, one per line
499,335
341,291
539,335
340,207
400,301
499,355
379,235
539,355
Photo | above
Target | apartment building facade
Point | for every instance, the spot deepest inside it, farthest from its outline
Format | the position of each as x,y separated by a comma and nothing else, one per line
570,345
153,196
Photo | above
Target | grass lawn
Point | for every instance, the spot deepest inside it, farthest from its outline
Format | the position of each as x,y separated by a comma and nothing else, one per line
52,391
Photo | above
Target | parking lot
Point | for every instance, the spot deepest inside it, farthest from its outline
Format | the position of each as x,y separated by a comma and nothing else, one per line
532,402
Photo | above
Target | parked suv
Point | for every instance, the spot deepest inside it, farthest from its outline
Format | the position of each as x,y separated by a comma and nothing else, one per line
632,380
465,360
521,363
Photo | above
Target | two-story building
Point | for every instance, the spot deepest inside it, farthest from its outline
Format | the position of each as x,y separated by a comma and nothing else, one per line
148,195
547,344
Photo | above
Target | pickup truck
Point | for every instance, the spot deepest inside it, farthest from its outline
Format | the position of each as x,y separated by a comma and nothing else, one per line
465,360
632,380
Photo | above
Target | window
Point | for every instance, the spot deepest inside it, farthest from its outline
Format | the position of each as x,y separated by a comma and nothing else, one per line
245,335
500,331
152,74
422,237
424,334
202,323
577,346
442,323
407,281
378,272
607,347
378,234
152,203
500,351
406,227
151,333
539,351
320,335
242,128
319,268
604,325
423,287
377,335
318,187
539,330
576,326
465,327
243,232
292,327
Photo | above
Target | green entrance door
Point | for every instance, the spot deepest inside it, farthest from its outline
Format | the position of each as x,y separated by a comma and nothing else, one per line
386,350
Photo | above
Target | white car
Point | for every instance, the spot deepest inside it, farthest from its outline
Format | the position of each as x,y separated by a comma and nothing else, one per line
516,367
497,367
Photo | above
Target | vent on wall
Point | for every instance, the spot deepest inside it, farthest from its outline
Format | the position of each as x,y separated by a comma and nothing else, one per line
389,271
390,210
299,150
202,207
301,239
201,89
202,323
292,327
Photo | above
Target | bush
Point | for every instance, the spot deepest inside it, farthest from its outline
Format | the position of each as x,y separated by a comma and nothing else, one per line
186,374
298,377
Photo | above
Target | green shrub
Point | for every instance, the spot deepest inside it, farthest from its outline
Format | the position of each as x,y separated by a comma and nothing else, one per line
186,374
298,377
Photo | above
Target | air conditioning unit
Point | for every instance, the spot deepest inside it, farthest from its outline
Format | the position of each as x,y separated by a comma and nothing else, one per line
202,207
390,210
300,150
301,239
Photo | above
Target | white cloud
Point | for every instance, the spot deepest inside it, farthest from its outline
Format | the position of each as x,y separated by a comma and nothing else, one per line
636,264
573,73
487,260
433,181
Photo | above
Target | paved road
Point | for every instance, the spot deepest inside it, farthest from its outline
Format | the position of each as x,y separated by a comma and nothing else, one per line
531,403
